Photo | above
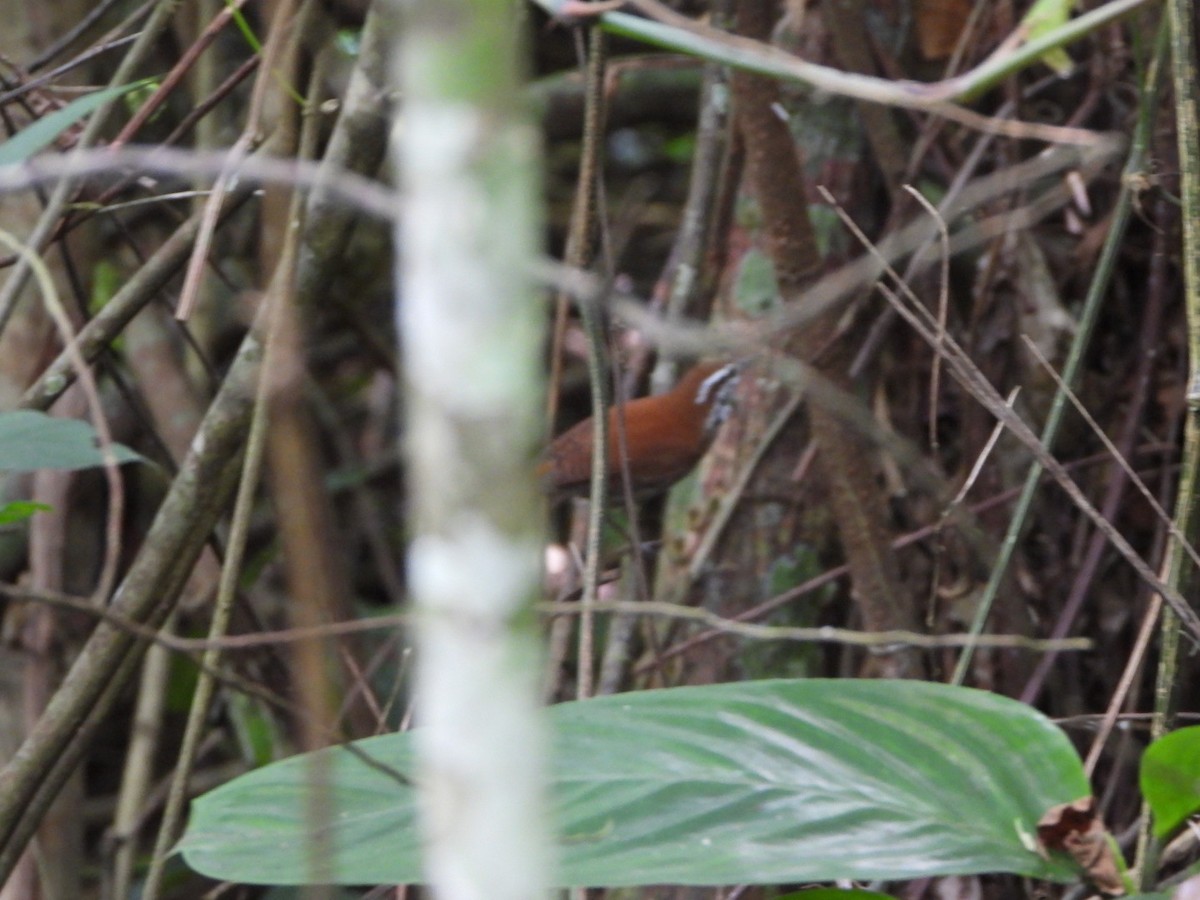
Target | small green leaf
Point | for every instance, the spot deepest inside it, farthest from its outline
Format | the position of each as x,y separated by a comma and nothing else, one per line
142,92
754,288
1170,779
106,281
681,149
834,894
256,732
33,440
348,41
21,511
1044,17
244,26
29,141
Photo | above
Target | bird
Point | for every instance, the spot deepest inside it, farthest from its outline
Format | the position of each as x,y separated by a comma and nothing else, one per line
665,435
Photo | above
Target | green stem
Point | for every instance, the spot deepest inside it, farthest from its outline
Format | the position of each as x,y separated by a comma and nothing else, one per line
1134,166
695,39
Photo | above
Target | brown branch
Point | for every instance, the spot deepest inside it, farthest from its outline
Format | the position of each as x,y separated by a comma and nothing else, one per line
857,505
32,778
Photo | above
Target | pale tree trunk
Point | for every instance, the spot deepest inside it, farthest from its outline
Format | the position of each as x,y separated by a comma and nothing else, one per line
471,330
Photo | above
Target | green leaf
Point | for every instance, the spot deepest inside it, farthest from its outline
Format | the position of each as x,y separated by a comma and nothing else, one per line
244,27
348,41
755,289
20,511
756,782
1170,779
257,733
1043,18
140,94
29,141
33,440
834,894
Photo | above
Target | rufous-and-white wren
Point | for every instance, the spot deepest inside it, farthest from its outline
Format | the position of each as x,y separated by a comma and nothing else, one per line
665,435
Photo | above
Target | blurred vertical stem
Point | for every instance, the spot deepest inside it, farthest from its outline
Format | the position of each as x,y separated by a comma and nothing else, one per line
1177,573
470,328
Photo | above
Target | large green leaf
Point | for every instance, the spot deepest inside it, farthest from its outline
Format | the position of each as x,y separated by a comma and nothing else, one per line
32,440
758,782
1170,778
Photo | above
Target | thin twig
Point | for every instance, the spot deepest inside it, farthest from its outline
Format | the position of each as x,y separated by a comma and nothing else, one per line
667,28
1133,665
234,160
935,373
172,79
885,640
584,219
63,189
968,375
87,381
1116,454
819,581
